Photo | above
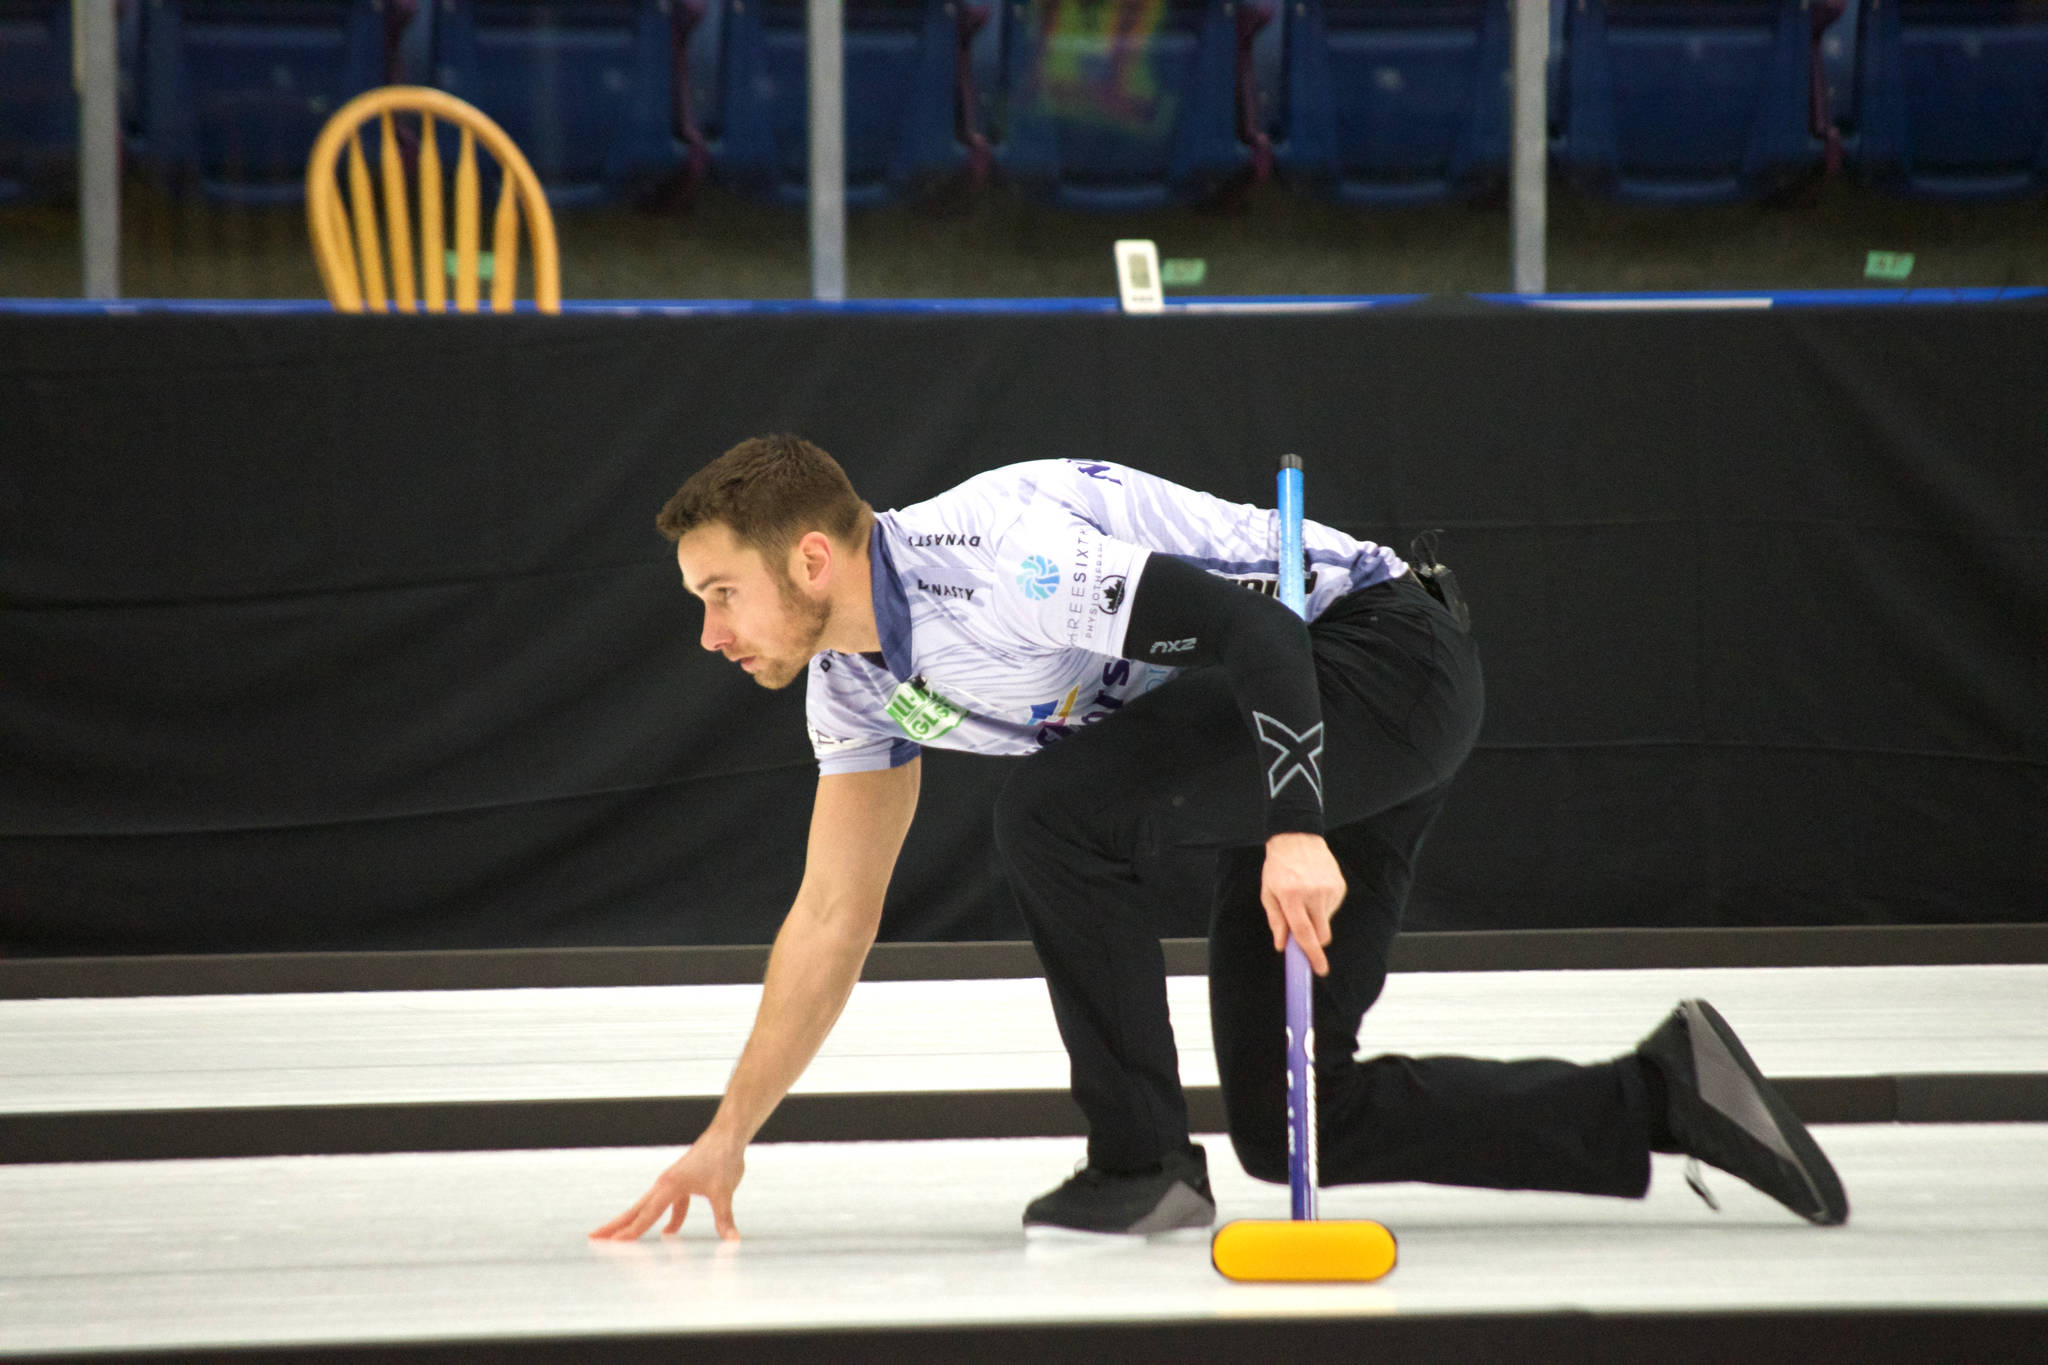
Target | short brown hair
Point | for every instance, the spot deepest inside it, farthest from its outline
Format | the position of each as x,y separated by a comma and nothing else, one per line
771,491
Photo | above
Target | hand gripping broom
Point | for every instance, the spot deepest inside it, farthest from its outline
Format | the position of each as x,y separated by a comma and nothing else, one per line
1300,1247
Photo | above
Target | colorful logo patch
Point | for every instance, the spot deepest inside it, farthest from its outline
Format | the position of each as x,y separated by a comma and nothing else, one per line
922,714
1039,577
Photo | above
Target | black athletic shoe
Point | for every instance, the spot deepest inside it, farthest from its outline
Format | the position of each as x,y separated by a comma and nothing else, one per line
1174,1196
1721,1110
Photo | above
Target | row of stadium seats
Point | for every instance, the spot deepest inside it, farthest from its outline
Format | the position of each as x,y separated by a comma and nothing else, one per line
1086,103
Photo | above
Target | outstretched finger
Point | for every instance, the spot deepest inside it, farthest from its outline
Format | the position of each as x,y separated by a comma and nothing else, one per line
1304,928
721,1216
675,1219
628,1226
611,1229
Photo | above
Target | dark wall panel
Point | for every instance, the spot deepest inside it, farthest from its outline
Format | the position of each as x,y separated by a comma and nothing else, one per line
326,632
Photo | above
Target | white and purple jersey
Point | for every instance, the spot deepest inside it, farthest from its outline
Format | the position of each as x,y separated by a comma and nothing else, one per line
1000,606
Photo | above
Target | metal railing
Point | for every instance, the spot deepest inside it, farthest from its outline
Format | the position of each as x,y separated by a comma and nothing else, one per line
97,77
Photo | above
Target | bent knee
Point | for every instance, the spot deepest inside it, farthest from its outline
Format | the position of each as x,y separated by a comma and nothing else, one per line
1263,1156
1259,1121
1258,1130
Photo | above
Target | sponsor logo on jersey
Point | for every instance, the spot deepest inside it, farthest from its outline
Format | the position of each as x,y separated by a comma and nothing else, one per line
950,539
1109,594
1084,625
822,743
1058,719
1172,646
1039,577
946,590
1268,583
1055,711
921,713
1104,472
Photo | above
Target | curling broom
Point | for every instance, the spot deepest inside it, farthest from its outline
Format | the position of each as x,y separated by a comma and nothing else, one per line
1300,1247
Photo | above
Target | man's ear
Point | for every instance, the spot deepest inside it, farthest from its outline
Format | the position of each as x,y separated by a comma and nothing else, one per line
813,558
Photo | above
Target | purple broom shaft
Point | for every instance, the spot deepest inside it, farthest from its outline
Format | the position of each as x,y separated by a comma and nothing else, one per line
1301,1077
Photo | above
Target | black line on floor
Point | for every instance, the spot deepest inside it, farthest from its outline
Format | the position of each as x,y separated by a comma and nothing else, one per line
1473,951
1881,1336
340,1129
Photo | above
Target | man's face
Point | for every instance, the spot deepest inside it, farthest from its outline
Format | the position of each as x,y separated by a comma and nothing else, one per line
754,614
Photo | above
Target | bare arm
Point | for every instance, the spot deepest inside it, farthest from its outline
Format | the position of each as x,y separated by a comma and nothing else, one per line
857,826
857,829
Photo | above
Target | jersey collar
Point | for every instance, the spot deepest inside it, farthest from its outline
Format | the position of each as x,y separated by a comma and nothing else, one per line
892,607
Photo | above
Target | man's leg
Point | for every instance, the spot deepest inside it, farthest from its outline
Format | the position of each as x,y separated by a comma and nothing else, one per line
1177,768
1401,699
1405,697
1690,1087
1547,1125
1070,824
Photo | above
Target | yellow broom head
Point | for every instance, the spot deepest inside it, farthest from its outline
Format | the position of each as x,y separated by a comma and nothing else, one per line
1269,1250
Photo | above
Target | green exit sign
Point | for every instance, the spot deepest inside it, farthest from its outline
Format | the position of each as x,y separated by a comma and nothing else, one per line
1183,271
1888,265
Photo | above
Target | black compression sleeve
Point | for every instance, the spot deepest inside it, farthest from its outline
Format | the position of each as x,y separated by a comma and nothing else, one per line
1182,615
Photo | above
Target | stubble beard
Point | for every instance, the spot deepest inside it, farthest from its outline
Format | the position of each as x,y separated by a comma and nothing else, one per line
809,620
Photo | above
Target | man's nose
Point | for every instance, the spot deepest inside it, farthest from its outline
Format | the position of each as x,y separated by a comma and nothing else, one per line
716,636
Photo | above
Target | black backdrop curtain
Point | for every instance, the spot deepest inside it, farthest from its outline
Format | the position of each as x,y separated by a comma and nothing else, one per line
322,632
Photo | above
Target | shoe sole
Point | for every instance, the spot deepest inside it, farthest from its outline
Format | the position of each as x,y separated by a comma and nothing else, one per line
1181,1208
1054,1233
1812,1163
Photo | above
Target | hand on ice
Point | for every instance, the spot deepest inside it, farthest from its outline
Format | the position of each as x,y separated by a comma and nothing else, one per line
708,1170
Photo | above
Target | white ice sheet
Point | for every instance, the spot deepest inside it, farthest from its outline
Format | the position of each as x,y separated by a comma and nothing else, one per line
175,1052
395,1248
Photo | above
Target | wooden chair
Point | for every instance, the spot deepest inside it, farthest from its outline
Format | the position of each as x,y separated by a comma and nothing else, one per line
345,238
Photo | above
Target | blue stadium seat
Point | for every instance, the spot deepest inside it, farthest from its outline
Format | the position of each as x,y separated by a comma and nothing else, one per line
233,92
1396,101
906,76
38,106
1106,113
1689,101
1952,97
585,87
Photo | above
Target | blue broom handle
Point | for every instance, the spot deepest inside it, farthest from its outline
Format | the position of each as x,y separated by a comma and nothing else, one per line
1290,535
1301,1077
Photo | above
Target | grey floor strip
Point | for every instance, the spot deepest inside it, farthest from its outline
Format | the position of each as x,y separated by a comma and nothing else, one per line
1530,950
150,1135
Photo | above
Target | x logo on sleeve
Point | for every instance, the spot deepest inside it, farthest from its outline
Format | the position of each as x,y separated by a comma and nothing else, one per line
1297,754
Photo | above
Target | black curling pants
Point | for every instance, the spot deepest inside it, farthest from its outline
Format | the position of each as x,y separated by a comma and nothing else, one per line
1401,697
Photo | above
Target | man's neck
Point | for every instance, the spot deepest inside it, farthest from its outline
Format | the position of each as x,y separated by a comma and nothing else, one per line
853,629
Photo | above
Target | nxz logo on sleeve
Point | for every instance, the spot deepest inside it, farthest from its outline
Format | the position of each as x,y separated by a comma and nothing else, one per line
1297,754
1172,646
